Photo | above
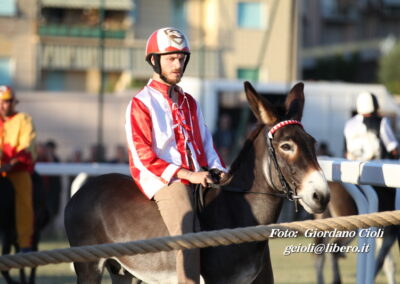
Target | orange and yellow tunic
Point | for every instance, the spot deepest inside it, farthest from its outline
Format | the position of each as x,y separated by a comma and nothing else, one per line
17,141
17,144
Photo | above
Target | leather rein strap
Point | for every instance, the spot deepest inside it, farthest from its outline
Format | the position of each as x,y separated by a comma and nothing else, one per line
289,192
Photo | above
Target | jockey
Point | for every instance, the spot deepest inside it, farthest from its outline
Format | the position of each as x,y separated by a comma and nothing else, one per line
17,159
368,135
169,143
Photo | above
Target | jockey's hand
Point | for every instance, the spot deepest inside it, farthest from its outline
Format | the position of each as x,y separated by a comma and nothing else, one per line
218,176
203,178
223,176
5,168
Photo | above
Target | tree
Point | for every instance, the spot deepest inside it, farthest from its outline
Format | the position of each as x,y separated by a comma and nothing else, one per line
389,70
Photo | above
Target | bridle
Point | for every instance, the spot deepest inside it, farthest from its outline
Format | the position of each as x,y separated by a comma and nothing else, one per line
288,192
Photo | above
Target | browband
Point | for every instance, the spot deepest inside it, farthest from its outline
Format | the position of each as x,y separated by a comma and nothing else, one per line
280,125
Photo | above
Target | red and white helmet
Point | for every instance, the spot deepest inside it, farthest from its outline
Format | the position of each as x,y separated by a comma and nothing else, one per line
167,40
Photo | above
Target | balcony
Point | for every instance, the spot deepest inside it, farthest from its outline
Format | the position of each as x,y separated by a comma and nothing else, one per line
206,63
87,32
123,5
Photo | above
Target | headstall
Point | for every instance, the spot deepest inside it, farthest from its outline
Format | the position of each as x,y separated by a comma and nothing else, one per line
289,192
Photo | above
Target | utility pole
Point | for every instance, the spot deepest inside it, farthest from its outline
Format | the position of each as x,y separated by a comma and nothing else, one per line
202,51
100,103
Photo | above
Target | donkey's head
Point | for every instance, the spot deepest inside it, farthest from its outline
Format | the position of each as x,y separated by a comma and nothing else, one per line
290,163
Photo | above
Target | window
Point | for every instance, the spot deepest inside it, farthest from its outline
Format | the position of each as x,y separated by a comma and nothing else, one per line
179,14
339,10
5,71
251,15
250,74
8,8
54,80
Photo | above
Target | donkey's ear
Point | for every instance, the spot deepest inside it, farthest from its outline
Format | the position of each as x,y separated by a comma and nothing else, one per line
263,110
294,103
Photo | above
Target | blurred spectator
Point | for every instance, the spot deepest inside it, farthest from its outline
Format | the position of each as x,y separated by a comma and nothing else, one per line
120,155
224,137
47,153
368,135
41,152
97,154
323,149
51,147
76,156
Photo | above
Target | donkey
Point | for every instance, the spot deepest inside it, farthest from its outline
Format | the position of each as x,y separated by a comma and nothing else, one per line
278,160
342,204
7,223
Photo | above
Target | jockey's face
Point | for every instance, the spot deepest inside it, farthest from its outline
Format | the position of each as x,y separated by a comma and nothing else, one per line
7,107
172,66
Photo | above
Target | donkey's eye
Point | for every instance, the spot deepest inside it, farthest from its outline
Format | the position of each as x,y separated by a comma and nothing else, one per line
286,147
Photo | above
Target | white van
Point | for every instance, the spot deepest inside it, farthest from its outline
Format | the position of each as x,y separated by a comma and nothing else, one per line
328,104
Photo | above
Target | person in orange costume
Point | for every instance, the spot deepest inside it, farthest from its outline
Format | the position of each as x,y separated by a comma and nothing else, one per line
17,160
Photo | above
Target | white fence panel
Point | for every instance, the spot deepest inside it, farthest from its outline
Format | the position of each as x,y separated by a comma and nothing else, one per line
355,175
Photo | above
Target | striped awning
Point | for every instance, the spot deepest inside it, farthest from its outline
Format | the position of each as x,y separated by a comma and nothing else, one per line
89,4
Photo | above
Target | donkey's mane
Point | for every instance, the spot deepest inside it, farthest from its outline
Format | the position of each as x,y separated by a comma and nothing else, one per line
247,146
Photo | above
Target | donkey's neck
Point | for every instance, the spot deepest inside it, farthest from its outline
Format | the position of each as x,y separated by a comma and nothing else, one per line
249,175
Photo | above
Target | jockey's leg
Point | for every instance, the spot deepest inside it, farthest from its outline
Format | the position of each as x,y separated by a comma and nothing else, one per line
175,203
24,215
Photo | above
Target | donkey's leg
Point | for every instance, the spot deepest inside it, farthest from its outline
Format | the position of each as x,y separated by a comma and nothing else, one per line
22,276
385,245
389,266
32,276
384,257
319,263
266,275
88,272
319,267
336,256
119,275
7,243
335,268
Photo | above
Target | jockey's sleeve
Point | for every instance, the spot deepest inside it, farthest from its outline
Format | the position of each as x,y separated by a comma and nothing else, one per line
140,143
387,135
25,150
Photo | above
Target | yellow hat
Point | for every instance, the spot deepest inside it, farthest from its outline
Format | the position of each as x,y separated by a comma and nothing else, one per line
6,93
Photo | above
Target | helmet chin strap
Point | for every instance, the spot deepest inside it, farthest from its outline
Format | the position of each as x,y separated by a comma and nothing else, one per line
157,66
166,80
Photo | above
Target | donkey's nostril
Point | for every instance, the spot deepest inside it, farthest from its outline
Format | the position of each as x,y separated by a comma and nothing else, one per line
320,198
316,196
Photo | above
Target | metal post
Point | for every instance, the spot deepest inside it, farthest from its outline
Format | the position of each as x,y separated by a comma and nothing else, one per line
363,208
100,104
372,198
202,50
